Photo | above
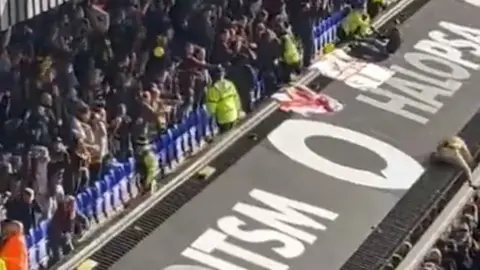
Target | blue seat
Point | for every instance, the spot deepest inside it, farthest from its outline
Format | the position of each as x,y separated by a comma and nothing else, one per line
107,192
169,143
191,128
205,123
87,203
333,21
321,36
200,119
316,28
122,182
38,234
132,167
32,250
161,153
116,196
43,228
337,17
129,168
123,191
328,24
118,172
79,203
131,179
317,45
126,169
325,31
133,188
97,197
256,94
30,238
327,37
253,95
41,236
322,27
166,152
183,129
210,125
176,137
213,126
110,171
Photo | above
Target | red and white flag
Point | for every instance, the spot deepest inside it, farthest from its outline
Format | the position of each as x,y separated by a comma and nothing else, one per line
302,100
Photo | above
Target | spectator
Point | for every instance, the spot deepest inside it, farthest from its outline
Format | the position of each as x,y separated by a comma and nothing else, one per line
13,250
63,227
40,159
454,151
99,129
60,159
120,138
459,249
24,208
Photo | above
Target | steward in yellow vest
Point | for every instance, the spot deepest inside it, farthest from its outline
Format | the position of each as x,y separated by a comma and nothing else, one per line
147,164
356,25
223,101
290,58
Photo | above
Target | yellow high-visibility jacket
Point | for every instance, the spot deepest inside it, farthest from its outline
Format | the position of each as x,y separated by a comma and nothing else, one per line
357,24
290,54
223,101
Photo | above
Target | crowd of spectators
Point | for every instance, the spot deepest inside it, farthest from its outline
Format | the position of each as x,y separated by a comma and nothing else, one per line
459,247
79,86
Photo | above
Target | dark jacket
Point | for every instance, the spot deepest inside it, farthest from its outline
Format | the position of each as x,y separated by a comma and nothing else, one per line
18,209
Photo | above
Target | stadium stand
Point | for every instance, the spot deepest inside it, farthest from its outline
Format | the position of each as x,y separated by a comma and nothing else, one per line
458,248
83,82
13,12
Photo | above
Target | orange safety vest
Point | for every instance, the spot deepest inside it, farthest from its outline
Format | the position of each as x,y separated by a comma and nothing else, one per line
14,253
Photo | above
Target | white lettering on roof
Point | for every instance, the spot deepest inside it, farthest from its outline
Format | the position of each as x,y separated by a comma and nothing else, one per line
288,225
437,69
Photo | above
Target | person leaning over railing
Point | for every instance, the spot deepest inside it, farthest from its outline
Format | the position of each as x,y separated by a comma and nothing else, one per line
454,151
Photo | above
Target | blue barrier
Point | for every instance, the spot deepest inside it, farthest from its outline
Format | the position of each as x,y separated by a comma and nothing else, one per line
118,185
325,31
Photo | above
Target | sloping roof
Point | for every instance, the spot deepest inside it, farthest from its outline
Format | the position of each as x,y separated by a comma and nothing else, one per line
15,11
